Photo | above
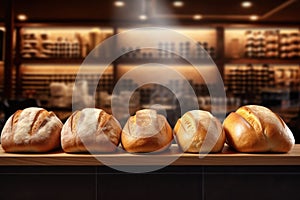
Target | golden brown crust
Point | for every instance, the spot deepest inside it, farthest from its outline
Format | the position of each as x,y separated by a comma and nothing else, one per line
38,120
198,131
31,130
90,130
14,120
255,128
146,134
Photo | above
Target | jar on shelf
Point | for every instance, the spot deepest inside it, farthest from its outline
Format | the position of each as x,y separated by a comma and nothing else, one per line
284,45
259,45
249,46
271,44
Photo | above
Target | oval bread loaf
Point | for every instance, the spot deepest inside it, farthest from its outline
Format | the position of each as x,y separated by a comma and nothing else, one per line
254,128
31,130
145,132
197,126
90,130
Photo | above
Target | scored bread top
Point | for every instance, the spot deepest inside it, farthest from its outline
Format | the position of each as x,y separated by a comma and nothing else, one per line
254,128
146,131
27,122
199,130
146,123
91,129
31,129
91,121
196,120
250,116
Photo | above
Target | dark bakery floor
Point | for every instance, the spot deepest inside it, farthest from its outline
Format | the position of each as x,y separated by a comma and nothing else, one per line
209,183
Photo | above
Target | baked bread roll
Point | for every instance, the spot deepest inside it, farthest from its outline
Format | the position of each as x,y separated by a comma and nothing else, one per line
90,130
197,126
255,128
147,131
31,130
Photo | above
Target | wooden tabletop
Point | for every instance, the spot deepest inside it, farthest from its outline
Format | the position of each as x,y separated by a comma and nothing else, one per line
173,156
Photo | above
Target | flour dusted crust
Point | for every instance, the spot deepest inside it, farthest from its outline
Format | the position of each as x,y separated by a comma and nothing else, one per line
90,130
145,132
197,126
254,128
31,130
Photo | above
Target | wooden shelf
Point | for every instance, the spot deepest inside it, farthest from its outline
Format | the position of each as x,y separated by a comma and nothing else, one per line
62,61
52,60
262,61
228,157
118,61
174,61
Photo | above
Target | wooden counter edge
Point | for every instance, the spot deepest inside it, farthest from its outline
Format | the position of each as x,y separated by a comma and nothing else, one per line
226,158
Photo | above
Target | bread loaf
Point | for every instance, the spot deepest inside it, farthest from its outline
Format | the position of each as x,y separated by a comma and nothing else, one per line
31,130
197,126
147,131
255,128
90,130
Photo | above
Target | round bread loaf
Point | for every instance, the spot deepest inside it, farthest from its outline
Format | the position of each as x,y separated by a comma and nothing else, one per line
196,127
90,130
145,132
31,130
254,128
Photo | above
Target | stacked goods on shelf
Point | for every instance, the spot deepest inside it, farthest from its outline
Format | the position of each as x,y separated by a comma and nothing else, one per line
60,48
61,43
29,47
290,45
154,92
255,45
39,79
167,49
42,47
248,80
192,43
267,84
272,44
286,87
252,81
243,81
286,76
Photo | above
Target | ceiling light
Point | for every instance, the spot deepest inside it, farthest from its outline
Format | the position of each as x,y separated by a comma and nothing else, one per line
22,17
197,17
246,4
143,17
253,17
178,3
119,3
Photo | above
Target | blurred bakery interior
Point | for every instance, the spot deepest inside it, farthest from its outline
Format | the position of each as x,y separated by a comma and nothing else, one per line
255,46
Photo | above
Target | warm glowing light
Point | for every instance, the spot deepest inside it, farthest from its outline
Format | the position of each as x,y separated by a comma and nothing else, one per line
246,4
143,17
253,17
197,17
22,17
119,3
178,3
